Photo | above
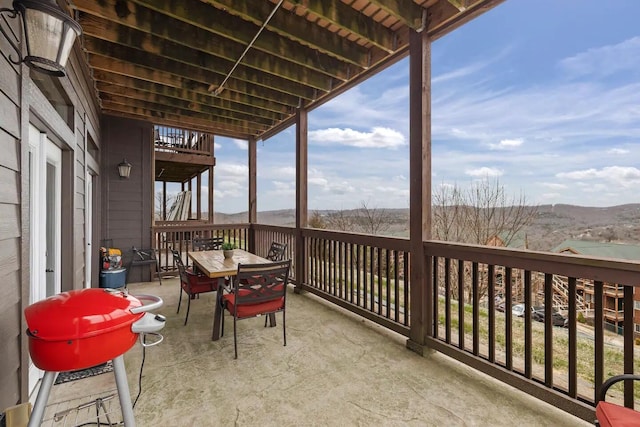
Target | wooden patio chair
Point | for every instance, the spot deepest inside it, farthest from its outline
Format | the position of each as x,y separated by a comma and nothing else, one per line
192,283
258,289
277,251
610,414
206,243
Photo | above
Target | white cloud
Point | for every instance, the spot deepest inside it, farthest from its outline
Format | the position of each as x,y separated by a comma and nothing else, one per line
617,151
217,146
506,144
483,172
618,175
241,144
605,60
379,137
225,170
554,186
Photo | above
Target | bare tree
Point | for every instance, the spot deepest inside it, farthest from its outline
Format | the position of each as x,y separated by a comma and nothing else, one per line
171,197
341,220
373,220
479,215
316,220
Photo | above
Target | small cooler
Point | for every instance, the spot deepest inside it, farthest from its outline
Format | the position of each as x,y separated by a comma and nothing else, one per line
115,278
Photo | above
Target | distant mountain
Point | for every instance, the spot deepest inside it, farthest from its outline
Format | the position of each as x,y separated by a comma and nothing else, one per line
554,224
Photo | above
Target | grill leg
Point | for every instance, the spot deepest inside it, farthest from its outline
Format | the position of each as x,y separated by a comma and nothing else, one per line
123,391
41,401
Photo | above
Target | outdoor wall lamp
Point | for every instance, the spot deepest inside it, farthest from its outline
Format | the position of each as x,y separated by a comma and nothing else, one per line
48,33
124,169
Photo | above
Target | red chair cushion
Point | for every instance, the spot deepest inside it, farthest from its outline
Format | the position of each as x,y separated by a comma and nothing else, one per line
251,310
200,284
612,415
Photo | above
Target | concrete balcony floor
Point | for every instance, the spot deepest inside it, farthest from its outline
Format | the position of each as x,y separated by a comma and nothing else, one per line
336,369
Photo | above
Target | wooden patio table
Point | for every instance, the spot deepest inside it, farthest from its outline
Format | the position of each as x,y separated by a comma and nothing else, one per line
215,265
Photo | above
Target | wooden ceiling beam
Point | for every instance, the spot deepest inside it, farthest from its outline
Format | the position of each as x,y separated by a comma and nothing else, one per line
334,11
145,20
408,12
253,127
176,122
107,89
205,16
206,75
221,60
461,5
443,17
154,114
124,83
113,65
102,65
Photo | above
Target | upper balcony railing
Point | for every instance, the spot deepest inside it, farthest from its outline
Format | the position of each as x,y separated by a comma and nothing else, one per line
175,140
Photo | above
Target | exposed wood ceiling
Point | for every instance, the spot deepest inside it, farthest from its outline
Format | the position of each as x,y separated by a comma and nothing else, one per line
166,61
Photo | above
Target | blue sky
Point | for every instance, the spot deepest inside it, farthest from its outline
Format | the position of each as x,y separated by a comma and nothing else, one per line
543,95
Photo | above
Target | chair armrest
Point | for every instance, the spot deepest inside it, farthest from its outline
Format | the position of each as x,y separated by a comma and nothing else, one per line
616,379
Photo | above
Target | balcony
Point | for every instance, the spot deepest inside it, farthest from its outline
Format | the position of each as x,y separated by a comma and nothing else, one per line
337,369
371,277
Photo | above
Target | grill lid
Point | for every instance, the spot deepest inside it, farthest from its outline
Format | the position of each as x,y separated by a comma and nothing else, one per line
80,314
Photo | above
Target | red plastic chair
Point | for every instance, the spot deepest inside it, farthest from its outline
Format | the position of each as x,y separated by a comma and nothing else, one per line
612,415
258,289
192,283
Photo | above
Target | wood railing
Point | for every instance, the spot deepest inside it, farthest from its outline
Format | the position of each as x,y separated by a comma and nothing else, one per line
185,141
564,366
369,275
365,274
178,236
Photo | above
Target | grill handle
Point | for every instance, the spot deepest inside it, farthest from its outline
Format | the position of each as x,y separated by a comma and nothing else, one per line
153,303
143,339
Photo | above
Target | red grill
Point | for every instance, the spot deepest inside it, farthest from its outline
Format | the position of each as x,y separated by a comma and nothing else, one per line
79,329
82,328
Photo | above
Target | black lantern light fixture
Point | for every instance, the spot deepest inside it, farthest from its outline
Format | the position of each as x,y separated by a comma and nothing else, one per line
124,169
48,35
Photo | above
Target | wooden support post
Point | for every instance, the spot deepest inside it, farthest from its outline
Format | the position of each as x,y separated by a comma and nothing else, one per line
421,275
302,217
199,196
253,205
211,212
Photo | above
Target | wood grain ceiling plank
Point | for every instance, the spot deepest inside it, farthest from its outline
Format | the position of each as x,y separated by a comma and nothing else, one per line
260,81
152,22
288,24
333,11
111,99
177,122
227,99
153,114
205,16
134,94
407,11
255,62
121,84
443,17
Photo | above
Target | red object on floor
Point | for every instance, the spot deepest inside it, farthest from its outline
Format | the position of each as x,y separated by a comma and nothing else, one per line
612,415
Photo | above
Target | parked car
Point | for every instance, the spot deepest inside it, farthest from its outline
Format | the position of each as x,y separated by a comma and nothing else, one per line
557,319
518,310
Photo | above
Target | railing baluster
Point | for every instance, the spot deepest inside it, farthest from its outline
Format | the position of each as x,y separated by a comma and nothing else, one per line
491,285
528,340
476,308
461,300
598,330
447,300
572,362
628,345
508,329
